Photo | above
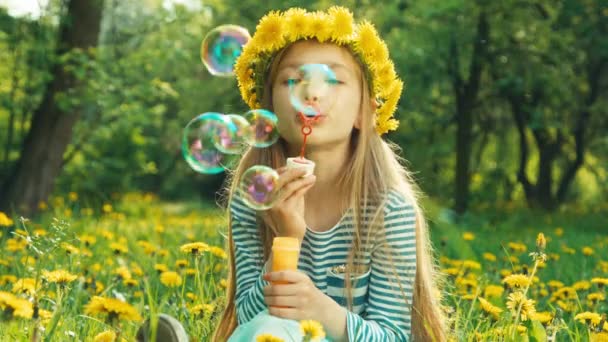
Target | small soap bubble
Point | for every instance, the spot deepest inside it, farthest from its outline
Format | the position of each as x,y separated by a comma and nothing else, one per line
221,47
311,92
263,130
233,138
201,138
259,187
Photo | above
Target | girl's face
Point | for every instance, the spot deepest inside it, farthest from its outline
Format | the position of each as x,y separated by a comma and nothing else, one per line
341,106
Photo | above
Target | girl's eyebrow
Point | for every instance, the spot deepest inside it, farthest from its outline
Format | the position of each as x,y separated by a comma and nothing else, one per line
333,66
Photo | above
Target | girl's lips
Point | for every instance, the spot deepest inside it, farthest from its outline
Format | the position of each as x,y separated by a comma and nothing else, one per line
312,119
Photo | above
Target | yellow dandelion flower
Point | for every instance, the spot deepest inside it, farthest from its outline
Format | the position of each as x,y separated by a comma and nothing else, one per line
181,263
59,276
516,281
223,283
195,248
7,279
170,279
601,336
106,336
123,272
70,249
312,330
559,231
555,284
72,196
130,282
589,318
269,32
160,268
600,282
564,293
582,285
596,297
588,251
320,26
42,206
113,308
268,338
218,252
489,257
297,24
517,247
567,306
541,242
5,221
342,23
543,317
489,308
25,285
517,300
107,208
468,236
148,248
202,309
18,307
493,291
471,265
190,272
119,248
88,240
16,244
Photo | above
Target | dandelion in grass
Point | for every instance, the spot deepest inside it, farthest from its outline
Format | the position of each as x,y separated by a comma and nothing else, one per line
25,285
119,248
589,318
600,282
588,251
268,338
202,310
493,291
106,336
218,252
14,306
517,301
492,310
170,279
311,330
543,317
195,248
60,277
5,221
181,263
517,281
112,308
468,236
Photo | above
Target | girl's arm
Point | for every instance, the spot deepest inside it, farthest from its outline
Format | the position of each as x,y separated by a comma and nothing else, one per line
248,254
393,270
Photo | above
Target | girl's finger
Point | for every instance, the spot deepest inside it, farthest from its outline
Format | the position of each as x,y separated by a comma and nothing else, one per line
289,313
286,276
288,190
289,176
282,301
300,192
282,290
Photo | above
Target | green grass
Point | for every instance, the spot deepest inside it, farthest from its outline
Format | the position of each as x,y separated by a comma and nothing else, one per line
164,227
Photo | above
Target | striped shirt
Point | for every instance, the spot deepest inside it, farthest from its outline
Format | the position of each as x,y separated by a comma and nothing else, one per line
382,292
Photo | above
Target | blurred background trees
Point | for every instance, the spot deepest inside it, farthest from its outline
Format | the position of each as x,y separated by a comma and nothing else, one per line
505,102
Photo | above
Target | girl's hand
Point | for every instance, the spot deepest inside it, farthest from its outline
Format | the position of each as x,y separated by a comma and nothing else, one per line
286,217
300,299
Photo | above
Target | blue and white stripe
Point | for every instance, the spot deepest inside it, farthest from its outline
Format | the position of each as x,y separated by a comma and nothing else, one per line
382,295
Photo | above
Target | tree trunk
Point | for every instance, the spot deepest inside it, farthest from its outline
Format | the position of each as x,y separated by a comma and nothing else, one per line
51,131
466,93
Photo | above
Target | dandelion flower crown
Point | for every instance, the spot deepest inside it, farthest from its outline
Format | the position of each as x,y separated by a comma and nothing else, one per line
277,30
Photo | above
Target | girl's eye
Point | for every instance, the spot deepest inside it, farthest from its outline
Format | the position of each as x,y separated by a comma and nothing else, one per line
292,81
334,81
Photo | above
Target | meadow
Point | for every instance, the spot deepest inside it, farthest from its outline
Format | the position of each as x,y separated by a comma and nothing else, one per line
93,272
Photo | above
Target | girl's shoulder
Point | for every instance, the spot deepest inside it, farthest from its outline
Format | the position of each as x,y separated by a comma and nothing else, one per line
395,200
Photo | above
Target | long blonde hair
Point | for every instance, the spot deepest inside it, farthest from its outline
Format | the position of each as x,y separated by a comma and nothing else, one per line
373,170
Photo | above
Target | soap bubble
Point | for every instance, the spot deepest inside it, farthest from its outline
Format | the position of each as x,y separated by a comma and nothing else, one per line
233,142
200,141
259,187
263,130
221,47
311,92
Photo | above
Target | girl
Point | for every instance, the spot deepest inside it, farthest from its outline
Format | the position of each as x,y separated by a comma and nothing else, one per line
366,271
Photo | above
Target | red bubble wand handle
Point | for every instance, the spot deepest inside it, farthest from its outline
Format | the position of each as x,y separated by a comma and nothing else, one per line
306,129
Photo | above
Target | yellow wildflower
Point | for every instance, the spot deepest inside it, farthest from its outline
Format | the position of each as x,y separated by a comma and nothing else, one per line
118,248
106,336
588,251
25,285
468,236
114,308
195,248
5,221
517,281
170,279
543,317
269,32
218,252
312,330
268,338
590,318
489,257
59,276
517,300
489,308
493,291
19,307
